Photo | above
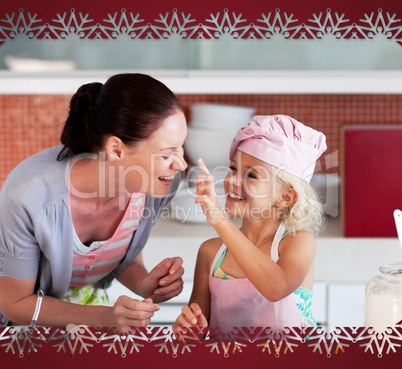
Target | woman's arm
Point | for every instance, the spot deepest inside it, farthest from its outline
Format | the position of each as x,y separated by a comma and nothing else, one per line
18,300
17,303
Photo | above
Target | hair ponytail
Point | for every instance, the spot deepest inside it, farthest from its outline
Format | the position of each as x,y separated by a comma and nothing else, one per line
80,120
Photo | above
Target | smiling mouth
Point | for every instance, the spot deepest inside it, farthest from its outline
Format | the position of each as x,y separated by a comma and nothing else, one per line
166,179
235,197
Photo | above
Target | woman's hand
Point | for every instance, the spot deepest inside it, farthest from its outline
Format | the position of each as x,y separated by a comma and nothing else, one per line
127,313
165,280
207,196
190,317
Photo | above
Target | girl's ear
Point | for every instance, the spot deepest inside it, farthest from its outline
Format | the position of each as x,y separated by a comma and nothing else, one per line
287,198
114,148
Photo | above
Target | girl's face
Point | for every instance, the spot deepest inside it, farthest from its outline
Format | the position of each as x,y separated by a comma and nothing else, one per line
251,187
150,166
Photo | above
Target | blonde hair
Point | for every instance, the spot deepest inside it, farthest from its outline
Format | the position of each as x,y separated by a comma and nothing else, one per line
306,213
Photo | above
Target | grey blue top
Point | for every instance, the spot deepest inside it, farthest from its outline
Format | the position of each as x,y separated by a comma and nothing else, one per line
36,229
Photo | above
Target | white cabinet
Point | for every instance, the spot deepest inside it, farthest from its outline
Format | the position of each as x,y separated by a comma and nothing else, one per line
320,296
338,304
345,305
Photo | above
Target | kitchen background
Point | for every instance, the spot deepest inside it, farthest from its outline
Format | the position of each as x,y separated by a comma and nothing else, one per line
338,37
31,123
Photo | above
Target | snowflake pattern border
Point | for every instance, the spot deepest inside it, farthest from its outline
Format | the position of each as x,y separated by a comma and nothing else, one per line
272,24
82,339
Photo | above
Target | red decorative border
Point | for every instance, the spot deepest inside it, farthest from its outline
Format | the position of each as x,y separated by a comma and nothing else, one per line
25,341
270,24
21,347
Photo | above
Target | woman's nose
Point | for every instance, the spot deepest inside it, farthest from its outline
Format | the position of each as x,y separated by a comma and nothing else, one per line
179,163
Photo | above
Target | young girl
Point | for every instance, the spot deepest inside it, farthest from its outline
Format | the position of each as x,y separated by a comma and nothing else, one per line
260,275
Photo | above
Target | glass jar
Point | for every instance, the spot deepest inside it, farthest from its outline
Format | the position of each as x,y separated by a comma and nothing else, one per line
383,298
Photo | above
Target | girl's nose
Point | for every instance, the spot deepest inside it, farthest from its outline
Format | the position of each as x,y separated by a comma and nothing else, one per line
234,180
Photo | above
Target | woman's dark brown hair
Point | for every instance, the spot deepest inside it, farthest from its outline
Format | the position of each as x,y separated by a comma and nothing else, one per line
130,106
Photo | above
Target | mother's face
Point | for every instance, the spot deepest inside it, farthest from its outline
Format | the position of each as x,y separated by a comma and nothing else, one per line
150,166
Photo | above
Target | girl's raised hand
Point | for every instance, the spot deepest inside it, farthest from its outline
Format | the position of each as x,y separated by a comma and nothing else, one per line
207,196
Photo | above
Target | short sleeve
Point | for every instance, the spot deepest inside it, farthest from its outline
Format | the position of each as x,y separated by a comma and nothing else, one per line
19,250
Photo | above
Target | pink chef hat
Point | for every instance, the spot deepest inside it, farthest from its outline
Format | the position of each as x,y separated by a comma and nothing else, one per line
283,142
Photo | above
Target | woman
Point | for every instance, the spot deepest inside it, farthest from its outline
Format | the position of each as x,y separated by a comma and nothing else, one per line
76,216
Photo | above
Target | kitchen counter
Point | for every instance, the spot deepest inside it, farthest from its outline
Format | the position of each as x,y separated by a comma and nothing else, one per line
215,81
338,259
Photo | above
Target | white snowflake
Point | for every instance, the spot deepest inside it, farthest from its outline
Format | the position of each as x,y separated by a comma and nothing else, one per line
159,337
169,345
387,26
282,342
381,342
173,347
122,343
171,25
330,25
280,25
21,340
268,340
68,26
127,25
225,25
78,339
132,342
230,347
335,341
13,25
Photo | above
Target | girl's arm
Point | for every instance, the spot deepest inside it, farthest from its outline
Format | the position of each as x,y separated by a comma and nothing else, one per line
198,312
274,280
201,294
